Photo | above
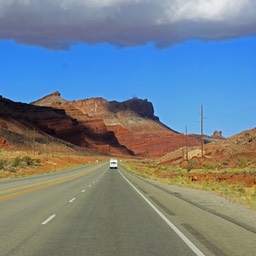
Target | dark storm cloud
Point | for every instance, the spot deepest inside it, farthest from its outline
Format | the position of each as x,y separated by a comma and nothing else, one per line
58,24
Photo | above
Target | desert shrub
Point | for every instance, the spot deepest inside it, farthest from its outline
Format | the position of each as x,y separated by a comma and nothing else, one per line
146,162
25,161
2,164
241,190
10,169
254,194
241,162
208,166
191,165
226,162
252,171
16,162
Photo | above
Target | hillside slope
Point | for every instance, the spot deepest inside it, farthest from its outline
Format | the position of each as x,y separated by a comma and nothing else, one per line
132,122
22,125
236,151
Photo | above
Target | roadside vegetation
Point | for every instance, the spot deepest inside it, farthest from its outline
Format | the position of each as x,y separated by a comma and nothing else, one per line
22,163
18,163
236,184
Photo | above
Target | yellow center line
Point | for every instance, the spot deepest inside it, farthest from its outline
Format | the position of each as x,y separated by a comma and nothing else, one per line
36,184
42,185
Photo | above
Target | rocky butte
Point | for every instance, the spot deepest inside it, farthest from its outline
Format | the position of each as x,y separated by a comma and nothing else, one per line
130,125
22,125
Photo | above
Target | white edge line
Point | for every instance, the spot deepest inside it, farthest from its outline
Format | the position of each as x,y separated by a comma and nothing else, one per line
72,200
168,222
49,219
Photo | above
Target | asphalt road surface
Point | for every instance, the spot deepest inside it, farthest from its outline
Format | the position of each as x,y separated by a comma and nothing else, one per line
93,210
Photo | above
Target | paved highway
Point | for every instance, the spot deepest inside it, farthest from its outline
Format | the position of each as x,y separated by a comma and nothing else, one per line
96,211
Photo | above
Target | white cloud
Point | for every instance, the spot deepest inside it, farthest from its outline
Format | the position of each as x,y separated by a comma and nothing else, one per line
59,23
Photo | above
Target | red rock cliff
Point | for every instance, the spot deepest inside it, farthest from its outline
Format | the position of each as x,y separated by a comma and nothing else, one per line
132,123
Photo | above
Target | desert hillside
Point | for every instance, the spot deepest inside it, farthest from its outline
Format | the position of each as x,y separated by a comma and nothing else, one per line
132,123
236,151
27,126
127,128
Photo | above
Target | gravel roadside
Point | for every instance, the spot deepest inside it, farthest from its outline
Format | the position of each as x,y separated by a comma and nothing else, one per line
214,203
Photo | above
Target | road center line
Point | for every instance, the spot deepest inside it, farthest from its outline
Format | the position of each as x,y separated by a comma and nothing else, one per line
49,219
21,190
72,200
167,221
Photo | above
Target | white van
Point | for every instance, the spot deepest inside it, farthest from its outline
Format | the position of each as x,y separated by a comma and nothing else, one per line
113,163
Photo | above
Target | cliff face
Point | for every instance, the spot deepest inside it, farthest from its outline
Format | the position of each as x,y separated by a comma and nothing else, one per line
126,128
130,123
20,122
141,108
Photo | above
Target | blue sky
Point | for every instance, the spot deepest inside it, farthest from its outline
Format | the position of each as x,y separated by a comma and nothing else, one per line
177,72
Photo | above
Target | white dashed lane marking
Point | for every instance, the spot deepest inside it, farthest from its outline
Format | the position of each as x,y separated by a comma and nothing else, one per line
72,200
49,219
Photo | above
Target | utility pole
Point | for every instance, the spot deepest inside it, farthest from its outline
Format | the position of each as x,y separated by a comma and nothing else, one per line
183,146
182,149
186,142
202,130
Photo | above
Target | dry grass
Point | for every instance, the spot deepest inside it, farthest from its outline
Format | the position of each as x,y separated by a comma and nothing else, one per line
236,190
43,162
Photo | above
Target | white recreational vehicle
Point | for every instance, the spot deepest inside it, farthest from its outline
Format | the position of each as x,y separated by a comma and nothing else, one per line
113,163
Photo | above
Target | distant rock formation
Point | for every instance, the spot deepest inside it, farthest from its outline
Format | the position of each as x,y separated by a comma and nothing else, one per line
110,127
49,100
142,108
18,120
132,123
238,151
217,135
